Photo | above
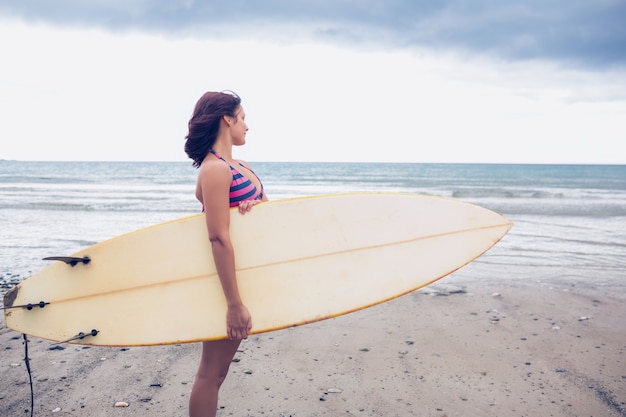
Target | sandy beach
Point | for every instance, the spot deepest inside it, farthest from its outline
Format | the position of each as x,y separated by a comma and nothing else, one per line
450,350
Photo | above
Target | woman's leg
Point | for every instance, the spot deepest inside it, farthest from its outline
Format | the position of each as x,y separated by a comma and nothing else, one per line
214,363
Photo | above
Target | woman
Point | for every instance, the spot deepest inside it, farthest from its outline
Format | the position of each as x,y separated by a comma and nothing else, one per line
218,124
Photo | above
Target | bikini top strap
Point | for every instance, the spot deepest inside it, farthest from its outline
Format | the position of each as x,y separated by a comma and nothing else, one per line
217,154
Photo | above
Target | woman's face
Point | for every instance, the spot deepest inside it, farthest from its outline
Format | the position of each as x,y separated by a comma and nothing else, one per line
239,127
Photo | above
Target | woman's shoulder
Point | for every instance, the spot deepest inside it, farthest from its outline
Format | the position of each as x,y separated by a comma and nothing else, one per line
213,169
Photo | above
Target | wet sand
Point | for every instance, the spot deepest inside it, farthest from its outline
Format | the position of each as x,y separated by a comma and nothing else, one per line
484,349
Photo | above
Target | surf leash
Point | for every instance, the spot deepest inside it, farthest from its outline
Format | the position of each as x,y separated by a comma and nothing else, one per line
79,336
30,375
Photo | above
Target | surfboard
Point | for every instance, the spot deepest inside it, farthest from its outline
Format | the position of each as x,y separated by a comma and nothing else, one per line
298,261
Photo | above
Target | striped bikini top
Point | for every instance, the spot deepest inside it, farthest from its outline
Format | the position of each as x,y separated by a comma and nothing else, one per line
241,188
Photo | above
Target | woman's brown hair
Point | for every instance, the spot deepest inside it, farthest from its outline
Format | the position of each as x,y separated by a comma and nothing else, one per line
205,122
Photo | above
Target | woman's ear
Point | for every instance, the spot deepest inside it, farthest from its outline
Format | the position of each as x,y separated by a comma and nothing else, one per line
228,120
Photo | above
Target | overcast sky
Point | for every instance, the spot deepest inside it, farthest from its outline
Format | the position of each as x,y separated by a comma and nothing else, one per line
531,81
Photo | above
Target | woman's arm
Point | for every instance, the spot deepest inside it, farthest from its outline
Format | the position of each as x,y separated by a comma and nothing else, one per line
213,187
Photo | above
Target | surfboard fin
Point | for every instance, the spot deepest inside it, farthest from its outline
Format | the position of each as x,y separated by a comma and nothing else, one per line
79,336
70,260
28,306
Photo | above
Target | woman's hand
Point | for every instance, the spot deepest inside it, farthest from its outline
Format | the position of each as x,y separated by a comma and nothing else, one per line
246,205
238,322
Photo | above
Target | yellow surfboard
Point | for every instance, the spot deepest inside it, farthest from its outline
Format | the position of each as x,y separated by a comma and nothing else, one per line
298,261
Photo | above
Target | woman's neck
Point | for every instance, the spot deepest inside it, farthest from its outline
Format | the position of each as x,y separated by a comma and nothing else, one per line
225,150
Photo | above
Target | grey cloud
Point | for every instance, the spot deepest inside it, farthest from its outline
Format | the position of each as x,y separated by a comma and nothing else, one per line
580,32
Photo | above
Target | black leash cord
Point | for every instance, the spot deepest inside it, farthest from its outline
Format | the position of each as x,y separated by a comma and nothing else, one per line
30,376
79,336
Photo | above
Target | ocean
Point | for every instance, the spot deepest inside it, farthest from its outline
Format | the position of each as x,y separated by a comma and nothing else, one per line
569,220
